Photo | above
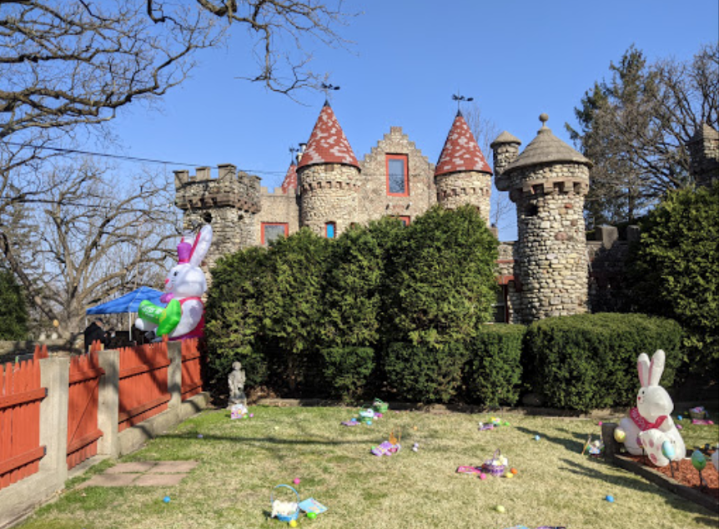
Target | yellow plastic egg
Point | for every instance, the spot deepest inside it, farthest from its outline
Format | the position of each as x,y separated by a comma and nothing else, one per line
293,523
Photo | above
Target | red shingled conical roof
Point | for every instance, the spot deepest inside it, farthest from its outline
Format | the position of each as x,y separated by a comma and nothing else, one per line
328,143
461,152
290,181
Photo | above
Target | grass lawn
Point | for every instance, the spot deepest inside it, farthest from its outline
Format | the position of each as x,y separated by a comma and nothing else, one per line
242,460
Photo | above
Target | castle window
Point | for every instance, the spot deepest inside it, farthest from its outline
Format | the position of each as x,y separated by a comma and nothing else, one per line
397,175
330,230
270,231
531,210
500,306
207,217
404,220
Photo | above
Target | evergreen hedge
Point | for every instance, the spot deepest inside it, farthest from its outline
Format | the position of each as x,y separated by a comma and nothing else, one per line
494,371
588,361
347,370
13,311
425,374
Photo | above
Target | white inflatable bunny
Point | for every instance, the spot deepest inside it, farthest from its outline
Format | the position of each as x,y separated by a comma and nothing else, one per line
650,425
184,286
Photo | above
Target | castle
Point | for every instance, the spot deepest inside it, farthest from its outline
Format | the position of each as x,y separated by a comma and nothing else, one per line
547,272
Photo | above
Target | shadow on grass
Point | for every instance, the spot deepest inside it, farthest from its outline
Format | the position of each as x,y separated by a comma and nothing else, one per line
634,482
573,445
260,440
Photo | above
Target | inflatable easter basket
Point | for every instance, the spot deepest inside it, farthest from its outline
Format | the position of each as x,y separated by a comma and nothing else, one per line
286,517
493,466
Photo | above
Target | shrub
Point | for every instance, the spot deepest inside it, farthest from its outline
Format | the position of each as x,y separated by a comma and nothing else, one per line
442,283
589,361
235,308
13,312
494,370
423,373
673,271
347,370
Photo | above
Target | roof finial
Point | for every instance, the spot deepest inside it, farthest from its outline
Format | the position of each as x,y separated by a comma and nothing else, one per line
543,118
326,88
459,98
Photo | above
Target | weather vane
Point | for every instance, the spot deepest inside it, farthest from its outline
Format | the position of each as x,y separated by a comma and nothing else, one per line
327,87
459,98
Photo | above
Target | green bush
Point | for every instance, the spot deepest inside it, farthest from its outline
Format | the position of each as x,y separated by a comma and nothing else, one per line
347,370
13,312
423,373
442,283
234,313
589,361
673,271
494,370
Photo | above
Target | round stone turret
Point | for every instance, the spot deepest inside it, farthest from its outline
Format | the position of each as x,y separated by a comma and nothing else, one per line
548,183
328,178
506,150
463,175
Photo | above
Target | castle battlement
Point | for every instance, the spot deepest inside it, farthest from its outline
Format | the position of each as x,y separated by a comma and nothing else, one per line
232,188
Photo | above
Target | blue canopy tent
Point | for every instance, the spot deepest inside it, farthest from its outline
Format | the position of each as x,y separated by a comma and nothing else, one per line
128,303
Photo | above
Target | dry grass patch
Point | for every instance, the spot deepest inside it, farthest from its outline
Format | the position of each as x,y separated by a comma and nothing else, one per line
240,462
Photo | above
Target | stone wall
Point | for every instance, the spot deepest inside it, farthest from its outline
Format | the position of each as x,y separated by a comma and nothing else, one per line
467,187
374,200
551,249
704,153
278,207
328,193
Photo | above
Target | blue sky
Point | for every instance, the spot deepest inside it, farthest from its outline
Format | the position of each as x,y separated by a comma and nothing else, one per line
517,58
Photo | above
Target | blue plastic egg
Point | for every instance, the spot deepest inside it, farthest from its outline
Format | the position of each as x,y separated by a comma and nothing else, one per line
536,438
679,417
668,450
610,498
166,499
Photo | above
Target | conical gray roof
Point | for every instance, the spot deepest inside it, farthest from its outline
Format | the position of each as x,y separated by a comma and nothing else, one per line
547,148
505,137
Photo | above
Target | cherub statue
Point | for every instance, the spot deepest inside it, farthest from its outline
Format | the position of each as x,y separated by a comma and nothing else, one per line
236,382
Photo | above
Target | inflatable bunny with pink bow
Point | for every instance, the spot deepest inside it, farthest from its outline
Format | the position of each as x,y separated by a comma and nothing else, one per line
649,425
184,315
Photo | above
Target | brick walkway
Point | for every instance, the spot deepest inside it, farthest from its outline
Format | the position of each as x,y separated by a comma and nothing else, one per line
143,474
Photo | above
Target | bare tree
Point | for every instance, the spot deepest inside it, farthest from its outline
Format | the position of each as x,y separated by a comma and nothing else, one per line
485,131
636,127
90,239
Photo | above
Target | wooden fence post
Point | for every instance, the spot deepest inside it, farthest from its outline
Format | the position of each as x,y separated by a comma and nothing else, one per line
109,403
55,376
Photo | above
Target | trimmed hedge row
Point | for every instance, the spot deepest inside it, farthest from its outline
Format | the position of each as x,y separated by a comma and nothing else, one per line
589,361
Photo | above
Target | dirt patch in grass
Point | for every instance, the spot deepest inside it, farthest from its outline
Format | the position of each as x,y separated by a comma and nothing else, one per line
686,474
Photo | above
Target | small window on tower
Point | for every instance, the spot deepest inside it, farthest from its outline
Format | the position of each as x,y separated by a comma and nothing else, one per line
397,175
330,230
531,210
272,230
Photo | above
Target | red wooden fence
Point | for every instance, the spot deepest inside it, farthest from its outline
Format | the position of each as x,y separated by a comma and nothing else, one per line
82,430
143,383
191,368
20,396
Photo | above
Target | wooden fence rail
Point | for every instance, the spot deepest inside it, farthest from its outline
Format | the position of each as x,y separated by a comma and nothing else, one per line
83,393
191,368
20,397
143,390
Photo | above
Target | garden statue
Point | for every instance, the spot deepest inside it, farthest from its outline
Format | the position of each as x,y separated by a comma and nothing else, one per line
236,382
649,425
185,284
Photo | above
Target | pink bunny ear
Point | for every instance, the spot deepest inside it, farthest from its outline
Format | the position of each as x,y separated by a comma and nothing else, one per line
643,369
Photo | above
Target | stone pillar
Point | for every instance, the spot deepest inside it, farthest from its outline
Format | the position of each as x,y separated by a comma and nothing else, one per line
55,376
608,235
174,374
108,408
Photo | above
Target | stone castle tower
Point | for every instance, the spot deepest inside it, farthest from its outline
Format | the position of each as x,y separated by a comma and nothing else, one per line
548,183
328,177
463,175
704,154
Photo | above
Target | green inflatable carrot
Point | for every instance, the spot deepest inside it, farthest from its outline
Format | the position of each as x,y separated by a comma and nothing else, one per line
166,319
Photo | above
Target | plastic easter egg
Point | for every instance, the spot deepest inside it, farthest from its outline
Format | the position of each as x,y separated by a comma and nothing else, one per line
166,499
679,417
600,423
619,435
311,515
199,436
483,476
296,481
609,498
252,414
293,523
536,437
506,423
698,460
509,475
369,423
500,508
513,471
668,450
